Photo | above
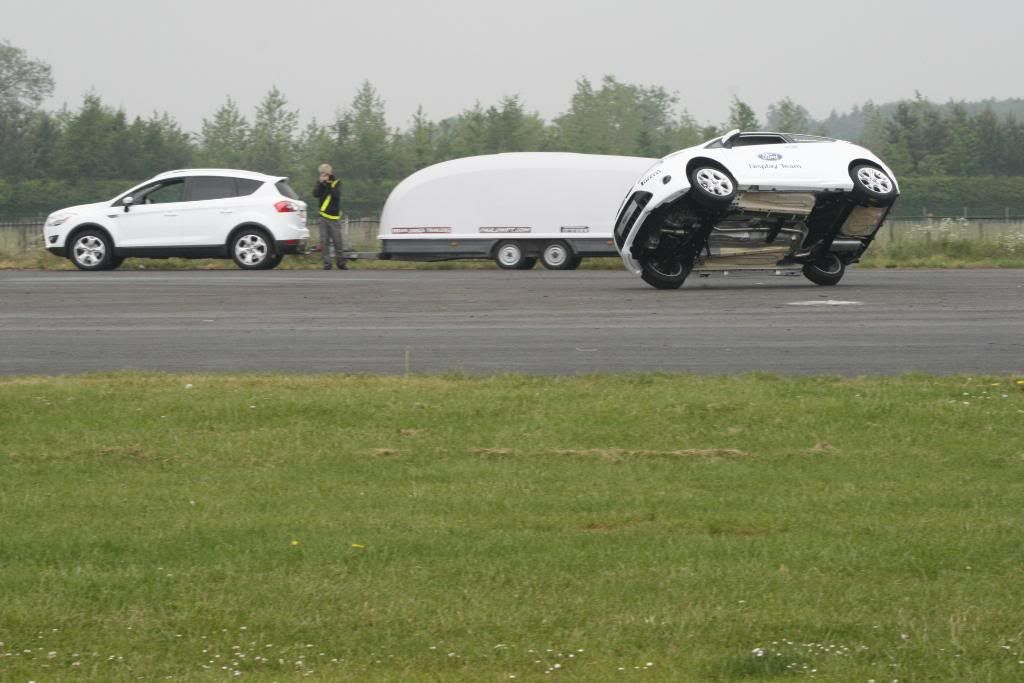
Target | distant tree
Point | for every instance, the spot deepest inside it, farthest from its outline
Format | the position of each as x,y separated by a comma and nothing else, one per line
990,138
786,116
511,129
366,157
154,145
417,145
24,82
93,142
27,135
272,147
960,156
741,116
224,139
618,118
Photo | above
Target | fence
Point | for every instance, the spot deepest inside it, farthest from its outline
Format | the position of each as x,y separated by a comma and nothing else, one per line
26,235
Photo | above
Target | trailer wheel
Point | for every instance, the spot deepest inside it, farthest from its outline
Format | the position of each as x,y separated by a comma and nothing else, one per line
557,256
510,256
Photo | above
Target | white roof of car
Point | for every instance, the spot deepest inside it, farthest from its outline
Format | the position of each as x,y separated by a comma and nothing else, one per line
232,172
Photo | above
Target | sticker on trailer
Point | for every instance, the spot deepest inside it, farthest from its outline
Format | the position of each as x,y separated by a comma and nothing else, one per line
498,229
575,228
420,231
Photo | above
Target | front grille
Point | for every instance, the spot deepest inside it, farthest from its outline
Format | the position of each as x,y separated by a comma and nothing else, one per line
627,217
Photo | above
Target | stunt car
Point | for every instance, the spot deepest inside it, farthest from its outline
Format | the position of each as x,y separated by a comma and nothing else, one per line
755,201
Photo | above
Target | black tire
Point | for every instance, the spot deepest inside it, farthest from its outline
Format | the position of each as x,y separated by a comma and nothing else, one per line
557,255
275,261
91,250
528,263
827,271
712,186
510,256
252,249
872,186
575,263
663,270
115,262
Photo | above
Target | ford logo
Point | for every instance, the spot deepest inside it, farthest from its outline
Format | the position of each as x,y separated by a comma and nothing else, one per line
769,156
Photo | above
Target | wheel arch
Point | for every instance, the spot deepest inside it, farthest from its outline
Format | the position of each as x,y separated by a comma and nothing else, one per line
248,225
78,229
706,161
863,162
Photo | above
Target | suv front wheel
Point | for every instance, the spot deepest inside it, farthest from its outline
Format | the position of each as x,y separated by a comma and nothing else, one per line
91,250
251,249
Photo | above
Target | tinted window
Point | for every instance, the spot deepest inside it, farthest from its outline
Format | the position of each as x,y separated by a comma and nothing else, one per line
247,187
747,140
285,189
162,192
210,187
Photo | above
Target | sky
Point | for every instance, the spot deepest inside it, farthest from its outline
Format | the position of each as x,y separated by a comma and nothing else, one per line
185,57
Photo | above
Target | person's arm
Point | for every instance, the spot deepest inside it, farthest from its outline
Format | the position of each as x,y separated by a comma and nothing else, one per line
336,191
318,190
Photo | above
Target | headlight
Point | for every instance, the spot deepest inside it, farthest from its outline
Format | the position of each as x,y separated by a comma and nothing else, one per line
58,219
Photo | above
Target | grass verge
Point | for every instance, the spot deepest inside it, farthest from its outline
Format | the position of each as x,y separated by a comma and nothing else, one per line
647,527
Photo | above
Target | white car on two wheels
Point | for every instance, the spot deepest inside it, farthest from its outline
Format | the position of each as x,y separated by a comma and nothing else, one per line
755,201
252,218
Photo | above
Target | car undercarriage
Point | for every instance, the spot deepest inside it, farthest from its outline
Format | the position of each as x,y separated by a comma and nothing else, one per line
816,233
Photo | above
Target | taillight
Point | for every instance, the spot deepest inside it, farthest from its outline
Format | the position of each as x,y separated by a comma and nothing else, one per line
285,206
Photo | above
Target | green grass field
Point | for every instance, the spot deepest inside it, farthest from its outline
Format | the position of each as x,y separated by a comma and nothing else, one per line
597,528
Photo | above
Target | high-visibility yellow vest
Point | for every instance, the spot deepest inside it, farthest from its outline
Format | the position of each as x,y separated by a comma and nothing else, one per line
327,201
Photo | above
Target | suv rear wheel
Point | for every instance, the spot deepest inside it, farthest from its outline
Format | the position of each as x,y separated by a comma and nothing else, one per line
251,250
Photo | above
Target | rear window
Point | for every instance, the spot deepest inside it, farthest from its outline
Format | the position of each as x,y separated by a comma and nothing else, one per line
285,189
247,186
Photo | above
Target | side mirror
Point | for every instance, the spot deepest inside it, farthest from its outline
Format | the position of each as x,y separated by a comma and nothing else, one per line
127,202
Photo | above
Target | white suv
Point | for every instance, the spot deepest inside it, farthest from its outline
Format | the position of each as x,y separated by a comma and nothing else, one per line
252,218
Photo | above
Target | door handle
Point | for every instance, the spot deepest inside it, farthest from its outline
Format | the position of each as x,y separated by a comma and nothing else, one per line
227,210
171,215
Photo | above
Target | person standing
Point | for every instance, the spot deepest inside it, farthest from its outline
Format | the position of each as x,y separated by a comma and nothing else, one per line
328,193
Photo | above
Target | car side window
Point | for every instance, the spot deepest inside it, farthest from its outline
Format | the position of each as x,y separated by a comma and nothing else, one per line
201,188
750,140
163,192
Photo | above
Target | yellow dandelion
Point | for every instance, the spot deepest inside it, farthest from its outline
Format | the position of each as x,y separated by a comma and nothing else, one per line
294,543
358,546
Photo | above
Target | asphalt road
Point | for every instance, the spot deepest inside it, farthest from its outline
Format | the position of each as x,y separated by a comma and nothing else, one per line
491,321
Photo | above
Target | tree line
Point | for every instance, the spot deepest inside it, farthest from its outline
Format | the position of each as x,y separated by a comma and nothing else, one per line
49,159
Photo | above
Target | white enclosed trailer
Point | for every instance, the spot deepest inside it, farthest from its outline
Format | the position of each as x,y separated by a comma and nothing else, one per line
514,208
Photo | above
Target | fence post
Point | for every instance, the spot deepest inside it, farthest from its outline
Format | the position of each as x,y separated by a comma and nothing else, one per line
981,230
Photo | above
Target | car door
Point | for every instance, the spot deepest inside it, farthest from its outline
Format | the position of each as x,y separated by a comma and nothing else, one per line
210,211
152,219
771,162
